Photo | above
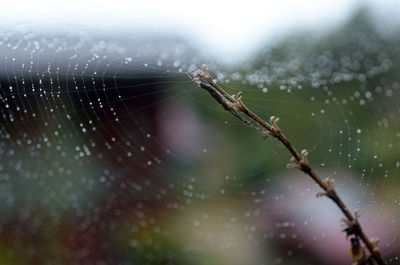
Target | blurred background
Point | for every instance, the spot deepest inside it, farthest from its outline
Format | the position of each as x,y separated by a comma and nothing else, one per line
110,154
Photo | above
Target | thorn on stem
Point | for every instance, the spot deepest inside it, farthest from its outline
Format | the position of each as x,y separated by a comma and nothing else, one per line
357,214
329,181
292,166
274,120
205,69
304,153
375,242
356,252
239,103
267,133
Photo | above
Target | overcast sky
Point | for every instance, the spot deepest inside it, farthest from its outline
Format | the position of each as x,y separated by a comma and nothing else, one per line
221,27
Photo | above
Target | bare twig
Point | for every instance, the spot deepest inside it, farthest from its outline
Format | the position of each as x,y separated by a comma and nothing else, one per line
235,105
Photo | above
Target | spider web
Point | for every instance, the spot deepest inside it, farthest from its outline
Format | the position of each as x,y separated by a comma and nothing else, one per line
111,155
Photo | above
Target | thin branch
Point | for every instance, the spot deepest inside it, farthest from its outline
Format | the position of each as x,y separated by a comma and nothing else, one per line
235,105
